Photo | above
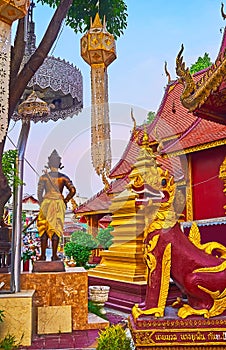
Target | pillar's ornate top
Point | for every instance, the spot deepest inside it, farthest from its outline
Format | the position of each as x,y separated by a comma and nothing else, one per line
11,10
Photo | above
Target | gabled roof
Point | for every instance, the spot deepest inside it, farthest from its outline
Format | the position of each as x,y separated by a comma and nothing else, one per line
206,98
29,198
174,126
102,200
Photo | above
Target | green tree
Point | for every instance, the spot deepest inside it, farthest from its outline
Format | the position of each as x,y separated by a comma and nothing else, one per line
104,237
150,117
80,12
201,63
80,247
77,14
9,169
84,239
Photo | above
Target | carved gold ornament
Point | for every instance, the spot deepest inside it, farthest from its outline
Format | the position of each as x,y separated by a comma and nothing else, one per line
195,94
165,280
222,176
209,247
33,107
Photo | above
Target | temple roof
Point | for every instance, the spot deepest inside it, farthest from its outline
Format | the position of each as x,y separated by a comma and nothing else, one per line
175,128
205,97
101,201
178,130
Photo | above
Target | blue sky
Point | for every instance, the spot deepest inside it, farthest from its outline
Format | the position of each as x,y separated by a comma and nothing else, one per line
156,29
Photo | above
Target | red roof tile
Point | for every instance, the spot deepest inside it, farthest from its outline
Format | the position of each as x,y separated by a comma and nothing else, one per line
172,119
102,200
204,132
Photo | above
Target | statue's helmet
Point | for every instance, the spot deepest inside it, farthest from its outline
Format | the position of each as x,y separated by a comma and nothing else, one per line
54,160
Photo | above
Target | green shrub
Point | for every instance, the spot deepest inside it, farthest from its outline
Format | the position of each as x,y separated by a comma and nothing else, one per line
112,338
9,343
79,252
80,247
104,237
84,239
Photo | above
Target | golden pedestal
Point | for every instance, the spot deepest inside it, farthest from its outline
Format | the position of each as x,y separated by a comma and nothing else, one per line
172,332
124,259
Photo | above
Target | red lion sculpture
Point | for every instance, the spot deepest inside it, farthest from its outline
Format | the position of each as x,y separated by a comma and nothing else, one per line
168,252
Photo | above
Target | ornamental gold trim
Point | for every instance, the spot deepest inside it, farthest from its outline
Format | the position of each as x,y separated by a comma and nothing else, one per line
195,94
189,193
195,237
203,336
197,148
222,176
218,268
165,278
219,304
148,256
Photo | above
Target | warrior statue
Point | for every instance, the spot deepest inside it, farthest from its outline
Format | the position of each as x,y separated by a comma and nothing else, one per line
50,220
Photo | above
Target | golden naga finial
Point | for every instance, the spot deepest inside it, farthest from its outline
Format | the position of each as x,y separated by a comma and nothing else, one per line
160,143
180,65
167,73
105,181
133,119
135,132
222,11
185,76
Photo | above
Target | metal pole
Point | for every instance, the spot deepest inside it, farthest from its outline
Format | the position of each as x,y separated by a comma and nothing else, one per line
17,208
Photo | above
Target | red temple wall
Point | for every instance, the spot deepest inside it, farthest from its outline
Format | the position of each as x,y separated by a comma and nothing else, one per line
208,196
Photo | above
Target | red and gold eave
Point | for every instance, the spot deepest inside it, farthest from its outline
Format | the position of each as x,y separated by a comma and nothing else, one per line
206,97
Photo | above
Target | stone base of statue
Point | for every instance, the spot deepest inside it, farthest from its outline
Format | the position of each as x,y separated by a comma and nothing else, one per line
123,294
48,266
172,332
59,304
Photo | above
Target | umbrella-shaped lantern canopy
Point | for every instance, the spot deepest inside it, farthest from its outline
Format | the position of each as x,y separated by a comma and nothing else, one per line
33,108
57,82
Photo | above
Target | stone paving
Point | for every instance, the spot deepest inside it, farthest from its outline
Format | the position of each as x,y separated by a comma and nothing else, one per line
77,340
